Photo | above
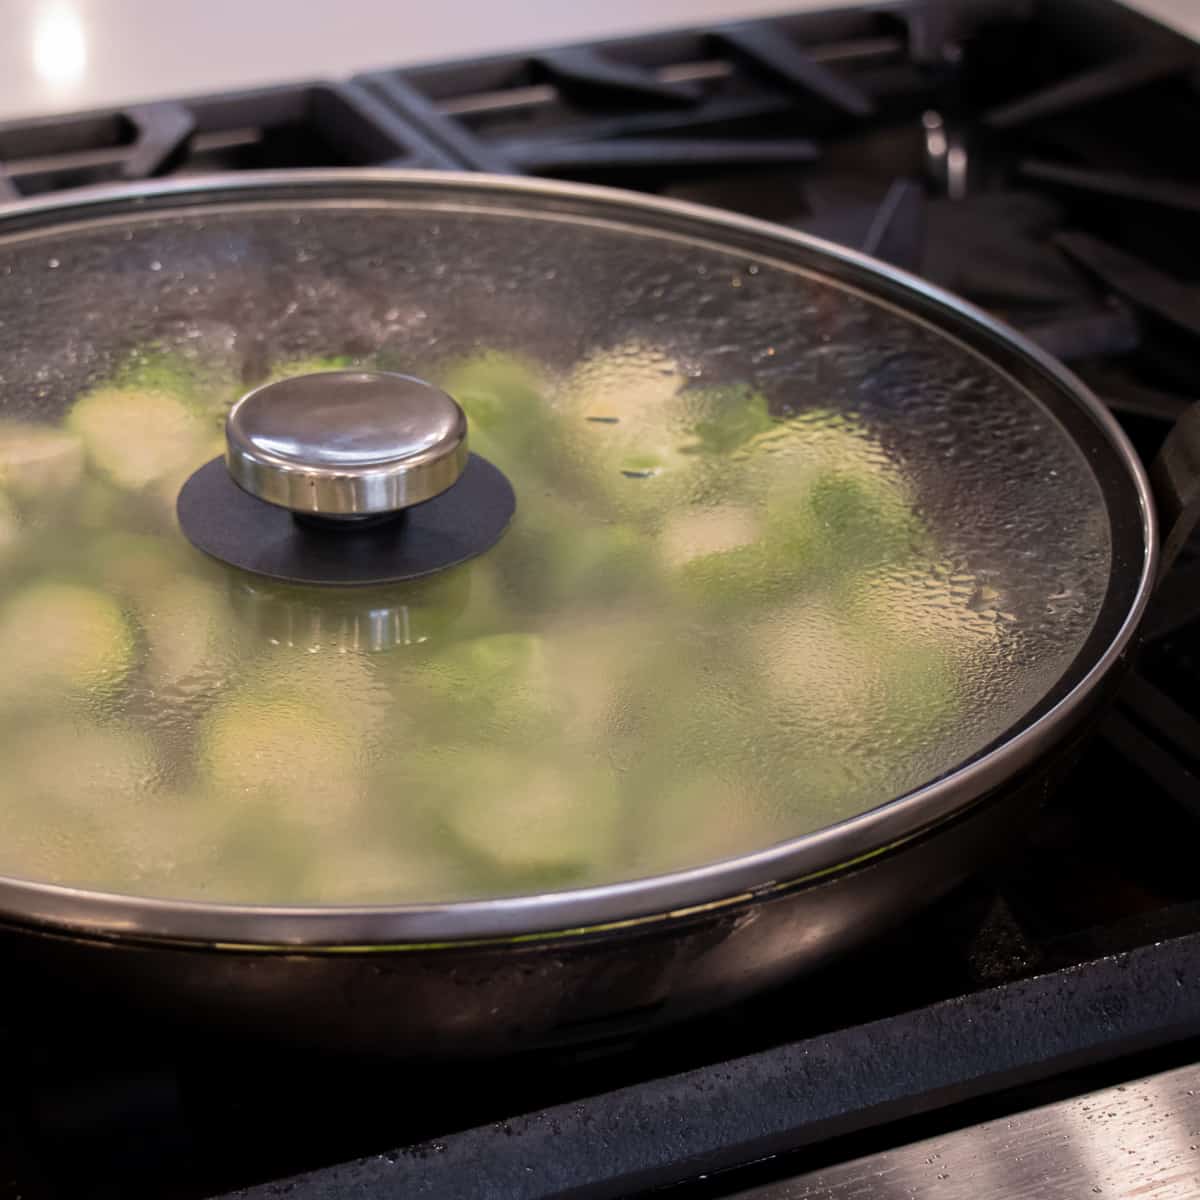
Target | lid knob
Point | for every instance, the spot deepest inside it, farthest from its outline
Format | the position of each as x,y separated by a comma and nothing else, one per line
346,444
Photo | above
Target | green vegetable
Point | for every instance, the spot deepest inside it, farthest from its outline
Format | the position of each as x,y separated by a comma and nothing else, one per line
497,391
186,622
554,558
863,521
491,670
37,461
204,370
498,686
692,535
286,755
164,491
829,510
10,528
71,793
528,818
343,688
62,636
725,419
86,766
411,870
102,506
696,816
137,437
508,419
134,565
707,627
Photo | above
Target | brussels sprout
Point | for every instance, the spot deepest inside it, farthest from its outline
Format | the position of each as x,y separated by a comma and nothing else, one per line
62,635
502,395
509,420
643,441
724,419
527,817
366,871
691,817
203,368
497,686
873,693
630,386
555,558
832,511
187,628
102,506
285,754
86,766
10,528
482,669
863,521
924,603
137,436
592,664
693,534
37,461
134,565
812,662
70,790
164,491
173,844
344,687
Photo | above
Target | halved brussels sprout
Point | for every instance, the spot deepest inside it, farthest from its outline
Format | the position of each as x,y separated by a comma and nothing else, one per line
38,462
71,790
134,565
103,768
10,527
186,622
509,421
284,754
526,817
62,636
721,420
135,436
554,558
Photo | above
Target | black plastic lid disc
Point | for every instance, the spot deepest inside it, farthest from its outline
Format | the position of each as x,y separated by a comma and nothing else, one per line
221,519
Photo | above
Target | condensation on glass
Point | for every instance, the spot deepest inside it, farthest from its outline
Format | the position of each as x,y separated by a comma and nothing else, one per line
781,554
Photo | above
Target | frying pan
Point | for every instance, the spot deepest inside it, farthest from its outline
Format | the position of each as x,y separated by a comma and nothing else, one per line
539,966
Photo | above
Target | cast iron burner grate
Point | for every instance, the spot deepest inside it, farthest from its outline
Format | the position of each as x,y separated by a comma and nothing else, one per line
298,125
1031,155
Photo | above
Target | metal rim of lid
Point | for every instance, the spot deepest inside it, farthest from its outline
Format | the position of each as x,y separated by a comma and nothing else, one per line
339,928
290,443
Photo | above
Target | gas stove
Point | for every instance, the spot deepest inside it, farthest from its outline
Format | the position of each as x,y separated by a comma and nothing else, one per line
1036,158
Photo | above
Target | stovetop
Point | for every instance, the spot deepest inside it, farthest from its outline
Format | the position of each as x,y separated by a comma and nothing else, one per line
1037,158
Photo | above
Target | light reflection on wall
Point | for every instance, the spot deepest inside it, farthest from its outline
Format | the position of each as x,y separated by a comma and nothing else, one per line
59,46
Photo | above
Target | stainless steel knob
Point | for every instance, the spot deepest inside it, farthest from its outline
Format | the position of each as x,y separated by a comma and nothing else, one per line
346,444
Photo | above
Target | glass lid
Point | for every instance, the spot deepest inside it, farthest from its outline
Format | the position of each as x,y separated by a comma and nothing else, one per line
783,552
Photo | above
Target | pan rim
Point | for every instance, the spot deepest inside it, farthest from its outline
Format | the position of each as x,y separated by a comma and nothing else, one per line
823,851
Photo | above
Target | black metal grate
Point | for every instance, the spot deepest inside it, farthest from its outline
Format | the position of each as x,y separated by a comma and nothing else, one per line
1032,156
698,104
300,125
